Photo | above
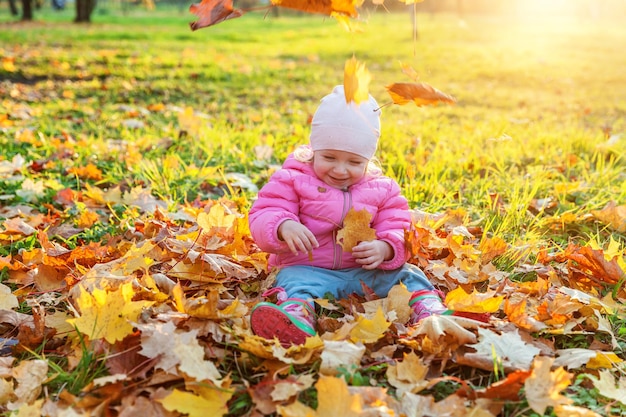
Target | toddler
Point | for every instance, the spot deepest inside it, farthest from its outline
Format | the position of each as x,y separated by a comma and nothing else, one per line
300,210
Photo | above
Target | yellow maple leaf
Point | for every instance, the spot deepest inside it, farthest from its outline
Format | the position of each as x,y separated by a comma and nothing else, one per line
356,228
370,330
476,302
543,387
356,80
408,375
108,314
334,399
213,402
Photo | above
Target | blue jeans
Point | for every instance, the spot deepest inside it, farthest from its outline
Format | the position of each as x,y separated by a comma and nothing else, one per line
309,282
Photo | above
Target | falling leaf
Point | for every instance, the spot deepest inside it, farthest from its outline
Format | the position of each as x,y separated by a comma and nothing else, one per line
356,80
421,94
327,7
211,12
356,228
410,72
543,387
108,314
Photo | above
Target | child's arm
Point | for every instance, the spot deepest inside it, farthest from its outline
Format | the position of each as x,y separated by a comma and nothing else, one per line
276,204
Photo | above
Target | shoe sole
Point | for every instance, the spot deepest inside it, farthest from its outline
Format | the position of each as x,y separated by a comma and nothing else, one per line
270,322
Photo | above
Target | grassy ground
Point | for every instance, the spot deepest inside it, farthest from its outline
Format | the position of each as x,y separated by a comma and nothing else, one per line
534,146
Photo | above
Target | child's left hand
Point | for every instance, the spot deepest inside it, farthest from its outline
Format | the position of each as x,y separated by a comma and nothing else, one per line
371,254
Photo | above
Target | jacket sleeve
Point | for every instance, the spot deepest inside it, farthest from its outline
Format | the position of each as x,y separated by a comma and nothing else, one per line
390,223
277,202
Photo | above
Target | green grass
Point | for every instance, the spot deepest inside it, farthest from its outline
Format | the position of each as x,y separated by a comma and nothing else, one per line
541,116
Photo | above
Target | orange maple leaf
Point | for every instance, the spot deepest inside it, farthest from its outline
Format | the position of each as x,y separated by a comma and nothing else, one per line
327,7
89,171
356,228
211,12
421,94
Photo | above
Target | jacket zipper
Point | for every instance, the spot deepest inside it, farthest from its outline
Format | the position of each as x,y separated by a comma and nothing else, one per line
338,253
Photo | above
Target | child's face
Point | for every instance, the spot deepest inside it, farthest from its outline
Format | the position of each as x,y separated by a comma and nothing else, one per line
339,169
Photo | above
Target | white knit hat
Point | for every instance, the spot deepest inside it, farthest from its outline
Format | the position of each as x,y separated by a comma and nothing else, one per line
345,126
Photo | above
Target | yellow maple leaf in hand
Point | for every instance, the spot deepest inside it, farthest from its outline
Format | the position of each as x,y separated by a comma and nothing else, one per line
356,80
356,228
106,314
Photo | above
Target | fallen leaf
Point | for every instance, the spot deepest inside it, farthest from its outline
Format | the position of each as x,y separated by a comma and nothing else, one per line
543,387
408,375
476,302
108,314
609,387
334,399
369,330
214,402
507,348
612,215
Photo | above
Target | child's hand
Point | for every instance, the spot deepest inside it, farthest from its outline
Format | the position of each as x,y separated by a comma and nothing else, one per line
297,236
371,254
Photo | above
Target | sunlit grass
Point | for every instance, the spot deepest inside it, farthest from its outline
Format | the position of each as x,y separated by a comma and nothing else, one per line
538,122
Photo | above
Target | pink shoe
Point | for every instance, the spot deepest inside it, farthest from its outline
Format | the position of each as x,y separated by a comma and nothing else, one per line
428,302
290,320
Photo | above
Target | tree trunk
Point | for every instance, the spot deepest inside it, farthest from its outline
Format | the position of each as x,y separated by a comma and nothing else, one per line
83,10
13,8
27,10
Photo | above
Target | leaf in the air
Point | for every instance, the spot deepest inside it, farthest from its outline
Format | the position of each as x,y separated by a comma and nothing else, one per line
211,12
421,94
356,80
356,228
327,7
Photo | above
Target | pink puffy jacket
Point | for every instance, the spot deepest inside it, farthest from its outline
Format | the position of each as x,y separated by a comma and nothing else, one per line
294,192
